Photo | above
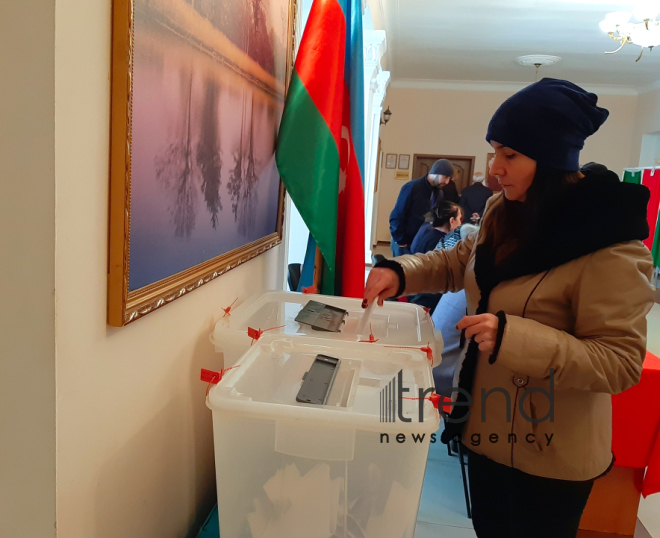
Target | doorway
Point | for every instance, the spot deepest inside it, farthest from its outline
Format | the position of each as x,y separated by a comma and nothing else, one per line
463,168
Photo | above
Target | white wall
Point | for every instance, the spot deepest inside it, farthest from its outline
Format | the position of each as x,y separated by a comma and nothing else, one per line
650,150
647,122
649,514
27,250
298,233
134,442
454,122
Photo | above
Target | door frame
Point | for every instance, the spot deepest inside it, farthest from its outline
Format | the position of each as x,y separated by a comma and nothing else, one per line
470,158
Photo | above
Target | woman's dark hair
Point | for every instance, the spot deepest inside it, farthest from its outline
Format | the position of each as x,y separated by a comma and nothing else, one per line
442,213
510,225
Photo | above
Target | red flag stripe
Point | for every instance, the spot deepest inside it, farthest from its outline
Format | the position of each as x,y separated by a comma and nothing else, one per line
350,214
320,62
352,244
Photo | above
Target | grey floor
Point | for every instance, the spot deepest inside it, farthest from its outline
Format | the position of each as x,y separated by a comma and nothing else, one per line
442,511
442,508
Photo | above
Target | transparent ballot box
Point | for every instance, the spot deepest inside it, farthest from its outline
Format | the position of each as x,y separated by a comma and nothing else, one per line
275,312
350,468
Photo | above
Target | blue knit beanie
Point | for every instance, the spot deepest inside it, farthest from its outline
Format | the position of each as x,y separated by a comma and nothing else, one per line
442,167
548,121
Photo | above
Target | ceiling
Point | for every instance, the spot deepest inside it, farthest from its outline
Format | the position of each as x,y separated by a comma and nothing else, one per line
478,40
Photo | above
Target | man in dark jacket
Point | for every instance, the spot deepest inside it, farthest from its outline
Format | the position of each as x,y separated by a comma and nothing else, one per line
450,192
474,198
415,200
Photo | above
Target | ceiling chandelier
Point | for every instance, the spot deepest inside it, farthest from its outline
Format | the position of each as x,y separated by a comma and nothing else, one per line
644,34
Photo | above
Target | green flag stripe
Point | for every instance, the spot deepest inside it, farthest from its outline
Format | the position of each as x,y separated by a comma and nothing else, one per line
655,251
308,162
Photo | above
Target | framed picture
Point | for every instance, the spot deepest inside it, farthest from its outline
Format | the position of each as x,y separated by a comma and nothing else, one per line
404,162
463,167
198,90
390,160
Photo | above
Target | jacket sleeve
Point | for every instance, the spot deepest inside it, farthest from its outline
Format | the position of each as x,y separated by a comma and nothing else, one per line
399,215
607,346
437,271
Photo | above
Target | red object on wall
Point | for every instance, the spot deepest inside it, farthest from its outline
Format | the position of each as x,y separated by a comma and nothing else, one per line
636,425
651,179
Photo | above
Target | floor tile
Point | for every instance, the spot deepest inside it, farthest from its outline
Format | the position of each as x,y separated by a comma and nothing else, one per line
430,530
443,501
438,450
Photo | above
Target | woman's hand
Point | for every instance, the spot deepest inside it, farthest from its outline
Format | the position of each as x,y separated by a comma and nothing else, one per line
382,283
484,329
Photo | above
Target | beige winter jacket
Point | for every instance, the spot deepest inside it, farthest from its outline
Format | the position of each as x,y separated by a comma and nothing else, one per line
585,319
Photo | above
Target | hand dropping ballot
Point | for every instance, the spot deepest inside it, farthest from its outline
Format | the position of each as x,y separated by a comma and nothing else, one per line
364,322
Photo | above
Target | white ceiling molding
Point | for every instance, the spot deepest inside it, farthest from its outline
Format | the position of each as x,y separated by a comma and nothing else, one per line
649,87
375,45
490,86
377,13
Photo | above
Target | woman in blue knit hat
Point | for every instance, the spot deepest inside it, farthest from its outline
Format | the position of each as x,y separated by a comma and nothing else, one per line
557,315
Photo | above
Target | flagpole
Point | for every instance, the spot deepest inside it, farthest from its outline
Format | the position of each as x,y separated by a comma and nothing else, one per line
318,270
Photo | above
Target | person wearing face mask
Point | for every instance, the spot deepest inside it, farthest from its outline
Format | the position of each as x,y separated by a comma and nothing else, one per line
415,200
474,198
556,318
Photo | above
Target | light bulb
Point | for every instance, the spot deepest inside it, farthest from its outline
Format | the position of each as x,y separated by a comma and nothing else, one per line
639,36
627,28
647,10
607,26
619,17
646,38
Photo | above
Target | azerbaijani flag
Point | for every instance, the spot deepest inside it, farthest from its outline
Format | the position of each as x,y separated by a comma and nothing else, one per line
320,154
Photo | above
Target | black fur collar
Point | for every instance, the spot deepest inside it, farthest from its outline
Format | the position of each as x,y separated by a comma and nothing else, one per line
592,214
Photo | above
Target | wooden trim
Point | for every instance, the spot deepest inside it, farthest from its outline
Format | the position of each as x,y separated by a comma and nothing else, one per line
120,160
613,503
470,158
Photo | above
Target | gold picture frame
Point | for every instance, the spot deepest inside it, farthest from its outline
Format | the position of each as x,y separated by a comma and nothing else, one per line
125,303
